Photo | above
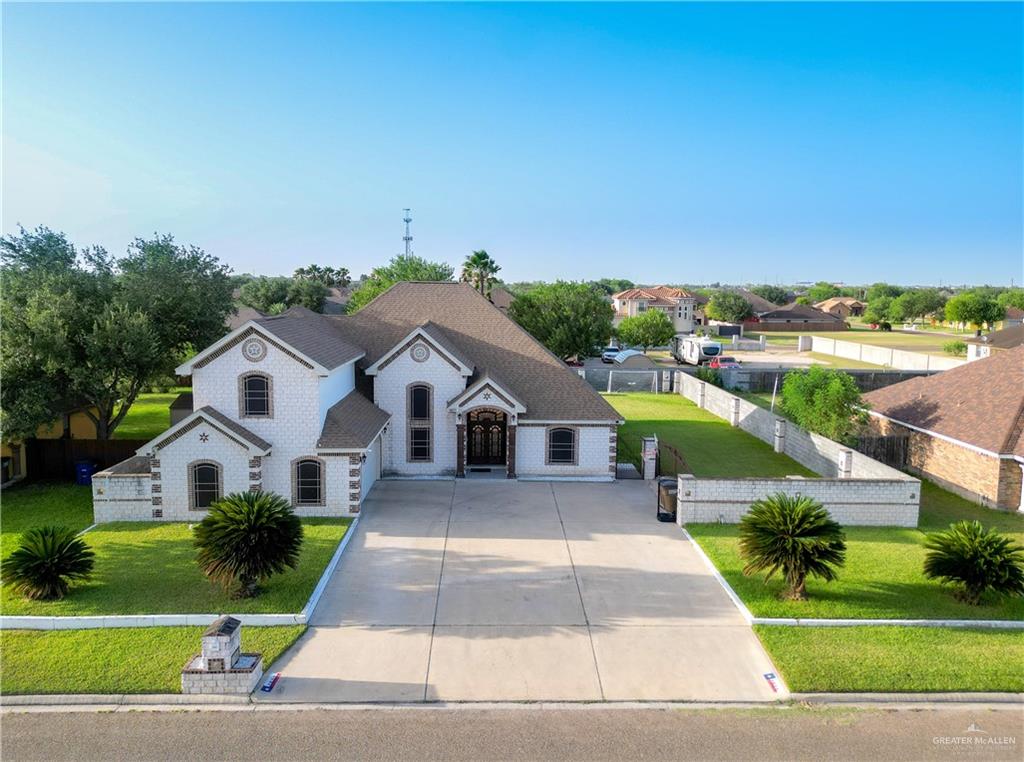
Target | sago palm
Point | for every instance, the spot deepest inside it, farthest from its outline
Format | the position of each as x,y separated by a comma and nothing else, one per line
976,560
46,561
793,535
247,537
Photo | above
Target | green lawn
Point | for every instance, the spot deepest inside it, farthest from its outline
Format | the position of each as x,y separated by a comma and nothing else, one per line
841,362
929,343
710,445
148,416
882,577
25,506
129,660
896,659
150,568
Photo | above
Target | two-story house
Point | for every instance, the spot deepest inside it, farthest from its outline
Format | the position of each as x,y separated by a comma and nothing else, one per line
430,380
682,308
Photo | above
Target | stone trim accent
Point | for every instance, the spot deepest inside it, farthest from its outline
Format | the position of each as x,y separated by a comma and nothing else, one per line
419,423
394,354
157,501
192,481
510,450
460,449
295,482
261,352
242,337
241,393
198,421
419,356
155,489
575,446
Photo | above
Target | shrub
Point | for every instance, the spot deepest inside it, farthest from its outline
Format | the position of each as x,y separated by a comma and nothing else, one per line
709,375
794,535
976,560
247,537
47,560
825,401
957,348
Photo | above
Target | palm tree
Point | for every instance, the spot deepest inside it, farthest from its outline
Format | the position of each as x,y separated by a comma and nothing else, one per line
976,559
794,535
47,560
479,269
245,538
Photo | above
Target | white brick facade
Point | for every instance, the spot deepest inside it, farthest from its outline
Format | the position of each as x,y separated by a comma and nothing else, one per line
595,452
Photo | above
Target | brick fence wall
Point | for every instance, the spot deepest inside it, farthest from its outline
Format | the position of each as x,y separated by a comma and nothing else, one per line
859,488
894,358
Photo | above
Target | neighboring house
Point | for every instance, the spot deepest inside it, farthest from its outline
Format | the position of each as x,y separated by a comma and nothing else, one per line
684,309
981,347
1014,316
429,380
796,317
758,304
336,300
501,298
842,307
242,315
964,426
74,424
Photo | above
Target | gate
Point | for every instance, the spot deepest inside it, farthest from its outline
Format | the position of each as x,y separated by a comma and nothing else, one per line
890,450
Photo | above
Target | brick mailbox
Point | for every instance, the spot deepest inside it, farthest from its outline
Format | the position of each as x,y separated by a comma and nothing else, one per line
221,667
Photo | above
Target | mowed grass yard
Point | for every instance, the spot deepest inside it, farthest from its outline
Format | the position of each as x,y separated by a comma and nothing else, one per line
710,445
149,415
149,568
131,660
926,342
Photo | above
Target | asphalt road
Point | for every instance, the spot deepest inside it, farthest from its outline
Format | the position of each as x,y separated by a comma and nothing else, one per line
525,733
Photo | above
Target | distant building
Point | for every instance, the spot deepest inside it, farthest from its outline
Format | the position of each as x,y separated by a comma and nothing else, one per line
501,298
796,317
985,346
842,306
683,309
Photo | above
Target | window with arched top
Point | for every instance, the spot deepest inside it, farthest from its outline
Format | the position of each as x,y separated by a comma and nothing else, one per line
561,448
308,481
419,414
255,396
205,484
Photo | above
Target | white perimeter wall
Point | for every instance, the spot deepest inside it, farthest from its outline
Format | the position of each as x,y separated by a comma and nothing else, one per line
893,358
886,495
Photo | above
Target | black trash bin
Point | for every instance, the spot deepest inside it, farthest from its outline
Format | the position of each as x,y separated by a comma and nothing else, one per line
668,489
84,469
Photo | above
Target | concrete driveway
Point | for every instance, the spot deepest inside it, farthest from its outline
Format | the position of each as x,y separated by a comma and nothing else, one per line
490,590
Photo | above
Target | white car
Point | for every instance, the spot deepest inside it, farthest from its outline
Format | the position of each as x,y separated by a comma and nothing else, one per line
608,355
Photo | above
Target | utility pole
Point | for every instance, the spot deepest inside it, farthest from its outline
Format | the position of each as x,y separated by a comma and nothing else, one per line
408,236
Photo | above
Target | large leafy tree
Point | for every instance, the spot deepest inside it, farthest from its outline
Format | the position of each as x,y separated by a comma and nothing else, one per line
822,290
878,308
480,270
974,308
875,290
308,293
262,293
570,319
774,294
1011,297
916,303
728,307
793,535
400,268
613,285
825,401
81,327
648,329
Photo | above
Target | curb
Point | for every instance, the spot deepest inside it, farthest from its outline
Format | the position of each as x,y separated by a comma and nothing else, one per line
49,623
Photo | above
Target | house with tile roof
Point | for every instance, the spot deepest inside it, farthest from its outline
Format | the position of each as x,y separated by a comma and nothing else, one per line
428,381
683,308
963,426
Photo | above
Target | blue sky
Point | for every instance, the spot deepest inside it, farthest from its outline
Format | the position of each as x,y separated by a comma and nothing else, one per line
677,143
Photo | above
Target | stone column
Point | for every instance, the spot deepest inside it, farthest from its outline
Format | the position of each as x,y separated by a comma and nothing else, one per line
780,435
510,451
735,416
460,449
845,464
702,392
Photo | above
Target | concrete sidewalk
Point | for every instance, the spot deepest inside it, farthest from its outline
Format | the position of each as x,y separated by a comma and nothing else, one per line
521,591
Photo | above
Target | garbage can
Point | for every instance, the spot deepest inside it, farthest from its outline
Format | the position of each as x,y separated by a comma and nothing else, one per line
84,469
668,489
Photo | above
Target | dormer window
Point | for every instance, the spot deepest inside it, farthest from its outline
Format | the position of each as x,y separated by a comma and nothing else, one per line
255,396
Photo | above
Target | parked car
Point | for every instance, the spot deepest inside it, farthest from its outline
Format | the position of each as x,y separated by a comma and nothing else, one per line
608,354
723,362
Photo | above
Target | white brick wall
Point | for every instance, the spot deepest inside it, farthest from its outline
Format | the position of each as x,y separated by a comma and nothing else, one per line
389,392
122,498
174,461
595,445
853,502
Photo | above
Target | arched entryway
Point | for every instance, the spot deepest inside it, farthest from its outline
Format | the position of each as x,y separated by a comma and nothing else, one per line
486,438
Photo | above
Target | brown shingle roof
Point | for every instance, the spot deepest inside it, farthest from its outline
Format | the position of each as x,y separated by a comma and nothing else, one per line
1008,338
313,335
352,423
483,335
237,428
803,311
757,303
980,403
137,465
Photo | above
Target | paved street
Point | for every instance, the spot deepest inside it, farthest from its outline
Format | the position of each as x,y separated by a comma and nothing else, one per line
491,590
516,734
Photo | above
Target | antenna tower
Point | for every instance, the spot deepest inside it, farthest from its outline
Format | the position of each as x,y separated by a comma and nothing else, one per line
408,236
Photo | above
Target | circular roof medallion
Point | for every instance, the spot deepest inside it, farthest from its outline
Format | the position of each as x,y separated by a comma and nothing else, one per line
254,350
419,352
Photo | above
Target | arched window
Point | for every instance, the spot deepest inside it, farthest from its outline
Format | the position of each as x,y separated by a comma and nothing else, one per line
205,484
562,446
254,390
308,482
420,422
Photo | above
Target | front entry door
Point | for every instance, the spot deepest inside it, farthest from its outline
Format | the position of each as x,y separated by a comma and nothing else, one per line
485,438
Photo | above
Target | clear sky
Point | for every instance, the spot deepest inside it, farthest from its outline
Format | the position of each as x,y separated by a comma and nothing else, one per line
676,143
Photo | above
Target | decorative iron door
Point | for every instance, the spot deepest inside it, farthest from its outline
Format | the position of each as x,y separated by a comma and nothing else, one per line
485,438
